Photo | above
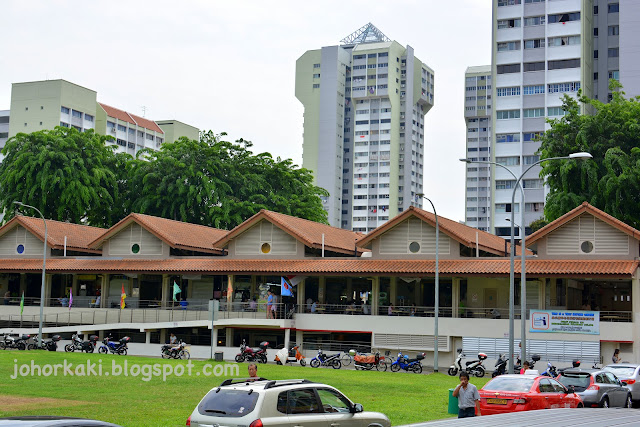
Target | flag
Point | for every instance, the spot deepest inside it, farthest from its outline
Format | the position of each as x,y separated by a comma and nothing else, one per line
122,297
286,287
22,303
70,298
176,290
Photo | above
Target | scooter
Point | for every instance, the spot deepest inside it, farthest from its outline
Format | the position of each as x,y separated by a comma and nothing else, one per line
475,366
115,347
457,365
249,355
409,365
551,371
285,356
501,366
325,360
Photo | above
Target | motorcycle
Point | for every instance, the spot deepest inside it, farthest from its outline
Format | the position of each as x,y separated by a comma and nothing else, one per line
501,366
14,342
50,344
115,347
325,360
368,361
78,344
532,363
409,365
175,351
551,371
291,356
473,367
249,355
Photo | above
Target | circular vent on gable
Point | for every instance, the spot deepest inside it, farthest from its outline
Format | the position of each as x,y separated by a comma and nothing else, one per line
414,247
586,247
265,248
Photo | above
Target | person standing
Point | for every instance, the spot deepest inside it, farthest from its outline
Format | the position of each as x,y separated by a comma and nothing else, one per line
616,356
468,397
7,297
269,304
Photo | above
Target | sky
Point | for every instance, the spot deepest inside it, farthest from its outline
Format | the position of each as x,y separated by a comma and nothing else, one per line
230,66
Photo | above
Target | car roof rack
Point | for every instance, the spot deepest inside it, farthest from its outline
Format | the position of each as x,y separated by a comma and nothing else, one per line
230,381
272,384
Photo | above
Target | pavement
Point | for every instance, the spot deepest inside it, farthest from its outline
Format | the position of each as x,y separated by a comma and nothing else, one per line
583,417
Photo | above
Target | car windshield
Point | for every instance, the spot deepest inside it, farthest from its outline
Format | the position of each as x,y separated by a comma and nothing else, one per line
228,403
621,371
579,382
509,384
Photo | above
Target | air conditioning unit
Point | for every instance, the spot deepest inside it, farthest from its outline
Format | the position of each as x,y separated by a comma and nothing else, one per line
403,85
401,127
113,130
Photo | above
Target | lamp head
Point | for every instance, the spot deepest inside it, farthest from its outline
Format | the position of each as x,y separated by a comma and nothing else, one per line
465,160
581,155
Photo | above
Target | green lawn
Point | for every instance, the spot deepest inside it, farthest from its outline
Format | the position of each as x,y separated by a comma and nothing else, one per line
130,401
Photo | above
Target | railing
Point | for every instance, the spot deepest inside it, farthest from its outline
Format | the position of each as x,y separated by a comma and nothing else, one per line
384,310
337,346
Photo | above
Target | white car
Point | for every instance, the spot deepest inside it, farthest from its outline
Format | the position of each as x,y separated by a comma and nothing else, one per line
291,403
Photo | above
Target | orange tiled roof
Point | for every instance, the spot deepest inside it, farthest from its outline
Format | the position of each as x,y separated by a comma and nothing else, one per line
332,266
130,118
78,236
460,232
308,232
176,234
579,210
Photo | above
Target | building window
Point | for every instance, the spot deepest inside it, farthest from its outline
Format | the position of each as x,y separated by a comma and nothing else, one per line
533,90
613,8
77,114
564,63
531,136
614,74
529,160
64,110
613,52
534,43
508,2
111,125
532,183
508,161
506,207
316,76
555,111
534,21
563,87
533,66
122,128
595,32
508,91
534,207
533,112
506,46
564,41
507,137
595,54
508,114
564,17
88,118
63,124
149,137
316,65
505,184
614,30
316,85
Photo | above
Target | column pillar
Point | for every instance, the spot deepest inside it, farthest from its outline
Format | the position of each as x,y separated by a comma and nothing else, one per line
74,285
349,289
375,295
215,338
104,291
163,336
47,289
542,294
455,297
147,337
189,289
229,337
23,284
165,290
301,296
287,337
393,288
321,289
299,338
230,287
635,307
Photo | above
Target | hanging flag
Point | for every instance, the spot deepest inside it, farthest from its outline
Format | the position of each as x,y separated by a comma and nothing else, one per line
122,297
22,303
285,290
176,290
70,298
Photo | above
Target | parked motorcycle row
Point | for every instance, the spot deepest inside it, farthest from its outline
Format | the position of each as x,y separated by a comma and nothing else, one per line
175,351
472,367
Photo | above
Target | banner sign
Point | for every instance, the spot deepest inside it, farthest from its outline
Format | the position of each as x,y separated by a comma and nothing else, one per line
564,321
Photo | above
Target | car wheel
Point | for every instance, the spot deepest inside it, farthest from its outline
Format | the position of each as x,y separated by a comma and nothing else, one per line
303,362
628,403
605,402
68,348
395,367
452,372
336,364
315,363
382,366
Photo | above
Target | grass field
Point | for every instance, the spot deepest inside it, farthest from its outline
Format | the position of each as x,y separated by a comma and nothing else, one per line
130,401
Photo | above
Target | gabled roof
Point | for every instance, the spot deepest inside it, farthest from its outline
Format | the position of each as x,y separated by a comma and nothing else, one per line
584,207
177,234
130,118
78,236
308,232
461,233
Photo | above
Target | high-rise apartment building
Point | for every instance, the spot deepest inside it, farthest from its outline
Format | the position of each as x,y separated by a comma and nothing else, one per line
477,115
45,104
364,107
4,128
541,50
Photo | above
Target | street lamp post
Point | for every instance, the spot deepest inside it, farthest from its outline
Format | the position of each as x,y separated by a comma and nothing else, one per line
523,289
437,289
44,267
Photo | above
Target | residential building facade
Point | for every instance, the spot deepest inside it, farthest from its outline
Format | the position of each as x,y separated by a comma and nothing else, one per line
4,129
46,104
364,107
477,115
541,51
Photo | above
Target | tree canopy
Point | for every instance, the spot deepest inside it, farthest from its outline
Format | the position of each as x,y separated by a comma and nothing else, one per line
611,180
66,174
73,176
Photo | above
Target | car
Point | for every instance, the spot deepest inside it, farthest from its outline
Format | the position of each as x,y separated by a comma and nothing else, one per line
628,373
596,387
52,421
515,393
258,403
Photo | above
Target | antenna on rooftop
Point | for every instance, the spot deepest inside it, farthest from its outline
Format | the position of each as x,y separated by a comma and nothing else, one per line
144,110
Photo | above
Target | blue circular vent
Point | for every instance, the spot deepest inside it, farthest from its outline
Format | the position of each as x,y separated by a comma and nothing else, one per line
20,249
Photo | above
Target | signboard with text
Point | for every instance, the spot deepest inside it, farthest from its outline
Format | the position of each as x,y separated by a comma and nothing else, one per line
565,321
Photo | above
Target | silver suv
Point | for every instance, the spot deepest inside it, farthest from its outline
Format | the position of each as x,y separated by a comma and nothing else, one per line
262,402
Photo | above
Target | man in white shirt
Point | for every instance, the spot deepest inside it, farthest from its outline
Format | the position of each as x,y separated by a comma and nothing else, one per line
468,397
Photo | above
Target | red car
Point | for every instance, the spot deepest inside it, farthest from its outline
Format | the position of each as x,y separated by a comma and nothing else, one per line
514,393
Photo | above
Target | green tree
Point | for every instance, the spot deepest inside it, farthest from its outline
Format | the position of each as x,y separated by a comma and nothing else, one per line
66,174
219,183
611,180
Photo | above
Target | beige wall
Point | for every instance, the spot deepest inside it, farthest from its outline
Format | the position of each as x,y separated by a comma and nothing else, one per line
121,244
